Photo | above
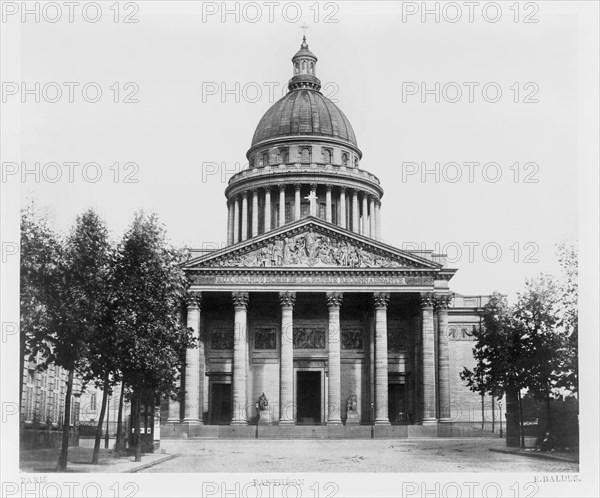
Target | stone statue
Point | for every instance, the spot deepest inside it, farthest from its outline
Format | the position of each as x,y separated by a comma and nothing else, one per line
351,403
263,402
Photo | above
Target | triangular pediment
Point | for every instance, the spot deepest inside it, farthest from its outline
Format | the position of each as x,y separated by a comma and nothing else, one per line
311,243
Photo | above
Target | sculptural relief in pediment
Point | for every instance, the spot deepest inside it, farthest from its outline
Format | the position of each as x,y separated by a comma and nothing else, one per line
310,249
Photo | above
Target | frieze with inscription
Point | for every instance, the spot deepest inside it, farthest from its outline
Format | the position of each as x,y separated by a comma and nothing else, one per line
310,249
294,280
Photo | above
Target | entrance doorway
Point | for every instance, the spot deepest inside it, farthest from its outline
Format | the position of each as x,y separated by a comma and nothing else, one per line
397,403
220,403
308,398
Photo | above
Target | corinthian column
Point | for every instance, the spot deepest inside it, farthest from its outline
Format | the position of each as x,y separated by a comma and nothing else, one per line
372,231
297,205
378,219
192,363
174,410
267,209
328,215
428,364
229,223
442,303
334,302
244,215
380,300
365,216
355,214
236,220
286,361
342,220
254,212
240,304
281,205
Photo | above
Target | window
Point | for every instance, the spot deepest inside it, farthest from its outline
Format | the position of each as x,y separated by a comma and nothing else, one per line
93,402
251,162
322,211
283,156
356,162
305,154
265,159
345,159
304,209
327,156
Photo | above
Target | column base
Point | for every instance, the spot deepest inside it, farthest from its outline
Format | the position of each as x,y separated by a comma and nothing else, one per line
192,421
382,421
429,421
173,421
445,420
287,422
334,422
239,422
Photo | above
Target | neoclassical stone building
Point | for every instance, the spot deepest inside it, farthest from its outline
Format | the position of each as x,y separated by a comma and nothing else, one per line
307,304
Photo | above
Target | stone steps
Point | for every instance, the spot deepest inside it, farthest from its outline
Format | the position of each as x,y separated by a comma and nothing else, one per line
199,432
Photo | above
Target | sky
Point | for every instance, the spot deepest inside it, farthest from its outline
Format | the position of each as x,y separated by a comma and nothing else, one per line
473,128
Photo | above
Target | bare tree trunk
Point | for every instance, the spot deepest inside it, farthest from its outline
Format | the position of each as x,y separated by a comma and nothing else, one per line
100,422
61,465
522,431
138,439
512,418
119,442
493,417
482,412
548,414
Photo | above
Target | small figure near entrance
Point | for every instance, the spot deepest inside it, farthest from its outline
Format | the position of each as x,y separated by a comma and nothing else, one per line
264,414
352,409
263,402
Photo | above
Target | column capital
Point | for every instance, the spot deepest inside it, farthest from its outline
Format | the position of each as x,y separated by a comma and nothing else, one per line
427,299
240,299
287,299
267,188
343,189
297,186
334,299
442,301
355,192
244,194
313,186
329,187
282,187
193,299
381,299
254,190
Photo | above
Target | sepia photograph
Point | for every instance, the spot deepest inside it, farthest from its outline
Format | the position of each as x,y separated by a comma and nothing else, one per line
321,249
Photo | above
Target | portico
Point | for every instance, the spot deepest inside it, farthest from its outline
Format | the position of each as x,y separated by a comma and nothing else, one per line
348,322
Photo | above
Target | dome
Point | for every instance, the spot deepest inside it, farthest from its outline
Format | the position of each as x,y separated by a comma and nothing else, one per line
304,112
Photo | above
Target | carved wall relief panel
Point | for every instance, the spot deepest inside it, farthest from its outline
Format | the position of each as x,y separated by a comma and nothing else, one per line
309,338
352,338
265,338
221,339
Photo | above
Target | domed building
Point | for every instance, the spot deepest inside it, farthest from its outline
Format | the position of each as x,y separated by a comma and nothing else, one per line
306,318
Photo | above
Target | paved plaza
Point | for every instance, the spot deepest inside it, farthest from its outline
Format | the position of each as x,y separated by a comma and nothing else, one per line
407,455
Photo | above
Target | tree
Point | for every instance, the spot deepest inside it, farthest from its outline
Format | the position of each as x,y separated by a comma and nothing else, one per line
150,290
77,310
499,359
40,253
568,317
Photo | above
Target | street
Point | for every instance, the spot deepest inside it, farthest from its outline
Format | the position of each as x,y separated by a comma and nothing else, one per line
406,455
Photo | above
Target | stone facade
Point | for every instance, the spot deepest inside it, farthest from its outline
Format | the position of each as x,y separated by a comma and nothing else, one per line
306,304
